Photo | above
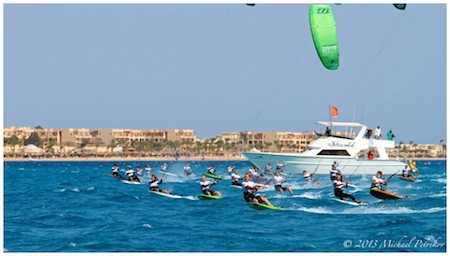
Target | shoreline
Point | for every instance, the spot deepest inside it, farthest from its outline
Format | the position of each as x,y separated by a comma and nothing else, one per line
137,159
121,159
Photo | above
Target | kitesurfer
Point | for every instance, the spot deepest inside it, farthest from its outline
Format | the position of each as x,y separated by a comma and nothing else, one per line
309,177
131,175
378,180
278,181
334,171
115,170
280,165
249,187
230,169
339,185
154,185
235,178
187,170
206,187
211,169
267,169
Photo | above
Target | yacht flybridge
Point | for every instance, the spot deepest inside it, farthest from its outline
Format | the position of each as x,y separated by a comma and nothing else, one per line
358,155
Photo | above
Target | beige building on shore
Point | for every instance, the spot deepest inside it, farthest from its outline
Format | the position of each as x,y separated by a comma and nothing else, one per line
286,142
79,141
77,136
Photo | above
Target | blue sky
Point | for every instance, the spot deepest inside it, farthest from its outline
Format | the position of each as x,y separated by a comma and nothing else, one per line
217,68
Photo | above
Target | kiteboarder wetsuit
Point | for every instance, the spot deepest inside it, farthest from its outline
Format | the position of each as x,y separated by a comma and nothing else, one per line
278,180
248,187
206,187
187,170
377,182
115,170
235,177
267,169
333,173
131,175
211,170
339,192
307,176
154,184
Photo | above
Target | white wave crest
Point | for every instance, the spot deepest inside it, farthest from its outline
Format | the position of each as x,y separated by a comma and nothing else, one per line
365,210
440,180
320,210
146,225
308,195
439,195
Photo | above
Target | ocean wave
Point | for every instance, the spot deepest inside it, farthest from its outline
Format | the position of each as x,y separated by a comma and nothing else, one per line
320,210
439,195
308,186
147,225
440,180
190,197
398,210
365,210
308,195
77,190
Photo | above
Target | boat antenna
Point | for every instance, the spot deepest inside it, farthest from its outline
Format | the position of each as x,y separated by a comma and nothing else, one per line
331,122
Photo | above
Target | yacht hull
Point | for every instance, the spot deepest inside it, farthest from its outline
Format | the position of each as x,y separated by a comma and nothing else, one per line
296,163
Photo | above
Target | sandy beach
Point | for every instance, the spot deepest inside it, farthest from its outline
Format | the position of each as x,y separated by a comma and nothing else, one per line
119,159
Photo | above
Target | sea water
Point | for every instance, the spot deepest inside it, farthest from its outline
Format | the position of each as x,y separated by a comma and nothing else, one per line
76,206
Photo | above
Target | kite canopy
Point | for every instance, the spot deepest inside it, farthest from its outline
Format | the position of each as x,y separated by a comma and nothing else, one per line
323,30
400,6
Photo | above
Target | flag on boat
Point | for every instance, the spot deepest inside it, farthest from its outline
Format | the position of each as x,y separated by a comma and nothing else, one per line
334,112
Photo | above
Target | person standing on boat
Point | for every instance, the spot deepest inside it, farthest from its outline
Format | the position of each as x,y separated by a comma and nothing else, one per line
377,181
377,133
328,131
339,185
248,189
278,182
368,133
390,135
370,155
205,185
